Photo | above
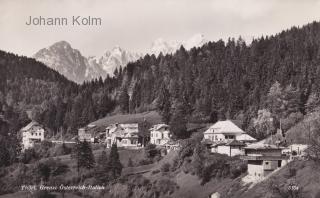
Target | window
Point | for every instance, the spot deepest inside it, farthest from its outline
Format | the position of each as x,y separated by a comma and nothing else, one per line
267,163
229,136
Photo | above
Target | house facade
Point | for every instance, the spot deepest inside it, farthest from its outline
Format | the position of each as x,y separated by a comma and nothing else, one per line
31,134
124,135
263,159
225,137
230,148
87,133
159,134
84,135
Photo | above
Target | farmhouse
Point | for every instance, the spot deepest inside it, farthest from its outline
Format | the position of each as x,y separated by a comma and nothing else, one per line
223,131
159,134
230,148
84,134
31,134
263,159
226,138
124,135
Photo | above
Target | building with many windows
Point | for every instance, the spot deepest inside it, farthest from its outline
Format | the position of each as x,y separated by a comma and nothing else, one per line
31,134
159,134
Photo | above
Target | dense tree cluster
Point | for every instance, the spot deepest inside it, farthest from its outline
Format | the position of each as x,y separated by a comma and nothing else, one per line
216,81
230,79
27,86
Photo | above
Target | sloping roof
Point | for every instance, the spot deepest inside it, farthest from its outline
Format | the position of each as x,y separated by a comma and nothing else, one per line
245,137
30,125
259,146
224,127
158,127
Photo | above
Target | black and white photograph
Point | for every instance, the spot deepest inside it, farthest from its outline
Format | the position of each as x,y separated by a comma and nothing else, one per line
159,99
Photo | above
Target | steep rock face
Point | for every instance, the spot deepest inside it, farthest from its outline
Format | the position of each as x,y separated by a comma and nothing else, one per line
78,68
115,58
64,59
73,65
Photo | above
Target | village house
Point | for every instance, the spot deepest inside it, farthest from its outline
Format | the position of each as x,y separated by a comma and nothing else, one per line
159,134
296,151
172,146
226,138
124,135
226,130
230,148
263,159
31,134
85,134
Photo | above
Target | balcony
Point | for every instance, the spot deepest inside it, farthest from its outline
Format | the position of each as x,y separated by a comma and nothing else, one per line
263,157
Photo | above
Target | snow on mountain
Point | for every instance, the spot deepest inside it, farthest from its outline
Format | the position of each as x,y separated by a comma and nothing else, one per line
69,62
195,41
166,47
170,47
115,58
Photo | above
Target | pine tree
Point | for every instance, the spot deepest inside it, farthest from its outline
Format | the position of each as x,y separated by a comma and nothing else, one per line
164,104
124,101
144,133
103,158
197,159
178,122
102,169
130,162
114,165
84,156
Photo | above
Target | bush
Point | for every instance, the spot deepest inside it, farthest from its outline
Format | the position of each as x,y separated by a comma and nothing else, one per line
61,149
165,167
145,162
43,194
29,155
151,151
130,163
155,171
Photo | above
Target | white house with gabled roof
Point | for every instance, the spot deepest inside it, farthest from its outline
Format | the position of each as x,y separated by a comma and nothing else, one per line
223,131
124,135
159,134
31,134
225,137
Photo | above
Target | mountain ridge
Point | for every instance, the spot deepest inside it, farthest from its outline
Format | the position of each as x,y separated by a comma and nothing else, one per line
76,67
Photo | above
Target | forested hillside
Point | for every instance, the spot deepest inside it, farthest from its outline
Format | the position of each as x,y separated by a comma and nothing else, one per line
29,86
274,77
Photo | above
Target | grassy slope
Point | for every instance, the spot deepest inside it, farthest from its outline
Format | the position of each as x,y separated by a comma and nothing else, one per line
190,187
152,116
307,178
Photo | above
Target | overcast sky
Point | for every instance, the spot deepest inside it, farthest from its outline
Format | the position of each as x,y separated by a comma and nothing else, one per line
135,24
